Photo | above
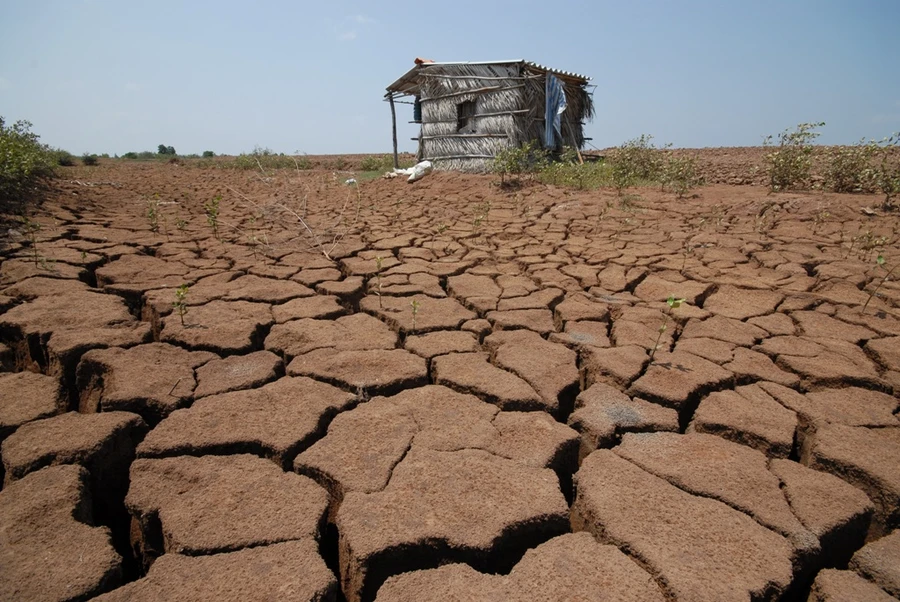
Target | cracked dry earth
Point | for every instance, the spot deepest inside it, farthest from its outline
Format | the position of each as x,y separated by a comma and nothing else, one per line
307,435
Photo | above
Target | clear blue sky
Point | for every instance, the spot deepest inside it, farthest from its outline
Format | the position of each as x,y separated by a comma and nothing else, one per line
113,76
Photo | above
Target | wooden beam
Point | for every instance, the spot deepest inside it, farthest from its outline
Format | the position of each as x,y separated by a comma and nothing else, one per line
394,131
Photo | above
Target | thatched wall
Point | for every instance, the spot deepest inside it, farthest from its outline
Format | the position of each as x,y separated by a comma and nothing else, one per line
509,111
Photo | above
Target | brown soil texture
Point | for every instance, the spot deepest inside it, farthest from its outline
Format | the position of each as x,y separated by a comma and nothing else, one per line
447,390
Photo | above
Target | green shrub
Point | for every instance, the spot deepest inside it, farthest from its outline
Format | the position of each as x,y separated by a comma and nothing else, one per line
789,164
378,163
264,158
849,168
887,171
679,174
24,161
64,158
513,162
590,175
162,149
130,155
89,159
208,154
636,161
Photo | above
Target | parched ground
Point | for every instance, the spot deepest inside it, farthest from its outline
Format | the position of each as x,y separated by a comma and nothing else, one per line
447,390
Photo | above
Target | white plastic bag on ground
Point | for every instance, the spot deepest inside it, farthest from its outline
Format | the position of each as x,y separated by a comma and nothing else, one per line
420,170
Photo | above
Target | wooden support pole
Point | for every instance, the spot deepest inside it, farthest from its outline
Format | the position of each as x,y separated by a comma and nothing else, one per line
394,130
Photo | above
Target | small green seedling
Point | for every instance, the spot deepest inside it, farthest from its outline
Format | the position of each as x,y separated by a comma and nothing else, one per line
819,219
212,214
686,250
673,303
440,229
181,225
378,262
180,304
415,311
880,261
153,213
83,257
31,229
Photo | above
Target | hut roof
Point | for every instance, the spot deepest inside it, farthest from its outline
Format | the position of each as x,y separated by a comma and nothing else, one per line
411,81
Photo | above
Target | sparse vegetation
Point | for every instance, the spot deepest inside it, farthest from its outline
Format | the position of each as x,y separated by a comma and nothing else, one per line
153,213
378,262
25,161
414,304
635,162
673,304
888,170
180,304
512,163
377,163
212,214
264,158
31,228
64,158
679,174
879,262
788,165
589,176
849,168
89,159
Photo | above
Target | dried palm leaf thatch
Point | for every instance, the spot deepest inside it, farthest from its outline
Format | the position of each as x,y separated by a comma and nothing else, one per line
473,111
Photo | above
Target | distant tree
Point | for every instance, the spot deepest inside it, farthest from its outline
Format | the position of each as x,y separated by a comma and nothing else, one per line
162,149
170,150
208,154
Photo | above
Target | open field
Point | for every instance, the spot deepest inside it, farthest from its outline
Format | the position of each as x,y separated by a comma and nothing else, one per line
273,385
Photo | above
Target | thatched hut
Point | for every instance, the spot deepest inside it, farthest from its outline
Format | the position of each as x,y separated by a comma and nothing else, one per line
471,111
